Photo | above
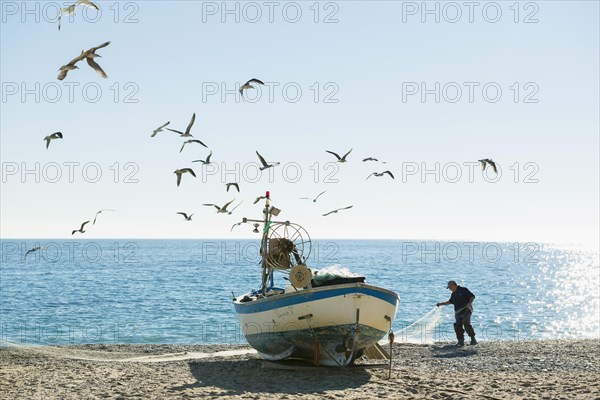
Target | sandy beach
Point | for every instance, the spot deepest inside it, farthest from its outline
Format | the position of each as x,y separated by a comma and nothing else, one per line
545,369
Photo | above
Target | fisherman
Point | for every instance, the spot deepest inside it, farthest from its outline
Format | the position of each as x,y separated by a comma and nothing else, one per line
462,298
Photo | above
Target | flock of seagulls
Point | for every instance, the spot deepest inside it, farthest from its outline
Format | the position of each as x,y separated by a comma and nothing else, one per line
90,57
224,209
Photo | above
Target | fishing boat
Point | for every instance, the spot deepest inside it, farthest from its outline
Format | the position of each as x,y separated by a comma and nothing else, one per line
330,319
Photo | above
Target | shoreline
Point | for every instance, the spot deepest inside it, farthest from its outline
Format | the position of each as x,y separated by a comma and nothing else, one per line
562,368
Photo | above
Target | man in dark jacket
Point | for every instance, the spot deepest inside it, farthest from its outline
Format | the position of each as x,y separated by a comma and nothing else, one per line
462,298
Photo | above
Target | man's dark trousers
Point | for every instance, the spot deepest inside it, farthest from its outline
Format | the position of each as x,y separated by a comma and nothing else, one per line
463,318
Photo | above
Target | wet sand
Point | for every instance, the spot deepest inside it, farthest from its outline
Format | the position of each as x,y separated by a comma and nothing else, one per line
545,369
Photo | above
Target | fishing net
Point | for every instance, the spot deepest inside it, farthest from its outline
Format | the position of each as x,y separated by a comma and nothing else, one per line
425,330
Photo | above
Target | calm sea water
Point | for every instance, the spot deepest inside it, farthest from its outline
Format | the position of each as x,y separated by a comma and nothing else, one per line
179,291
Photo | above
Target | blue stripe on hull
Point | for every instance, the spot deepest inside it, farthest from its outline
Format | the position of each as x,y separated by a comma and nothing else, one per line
274,302
330,338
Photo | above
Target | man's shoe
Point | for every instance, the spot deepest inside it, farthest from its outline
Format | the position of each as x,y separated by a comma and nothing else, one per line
473,341
460,343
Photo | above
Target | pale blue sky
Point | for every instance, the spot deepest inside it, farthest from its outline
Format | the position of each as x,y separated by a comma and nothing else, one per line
170,53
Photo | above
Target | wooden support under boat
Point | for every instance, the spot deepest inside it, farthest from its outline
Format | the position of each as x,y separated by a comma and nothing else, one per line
376,352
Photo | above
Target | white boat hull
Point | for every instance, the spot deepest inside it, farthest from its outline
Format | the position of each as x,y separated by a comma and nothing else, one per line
333,323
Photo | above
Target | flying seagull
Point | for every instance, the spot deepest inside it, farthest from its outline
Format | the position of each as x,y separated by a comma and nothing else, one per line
96,216
381,174
70,10
205,162
55,135
221,210
264,163
369,159
80,230
335,211
248,85
191,141
187,130
187,217
159,129
181,171
89,56
340,159
259,198
231,212
487,161
235,185
34,250
315,199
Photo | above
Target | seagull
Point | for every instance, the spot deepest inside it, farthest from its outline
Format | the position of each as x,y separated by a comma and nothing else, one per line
205,162
187,218
234,225
181,171
340,159
90,60
492,164
96,216
381,174
70,10
235,185
221,210
55,135
335,211
89,56
369,159
159,129
64,70
34,250
315,199
187,130
231,212
80,229
264,163
248,85
191,141
259,198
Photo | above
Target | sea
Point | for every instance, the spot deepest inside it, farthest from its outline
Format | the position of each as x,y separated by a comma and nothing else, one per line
125,291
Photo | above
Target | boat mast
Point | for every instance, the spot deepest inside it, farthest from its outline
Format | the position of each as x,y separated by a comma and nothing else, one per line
263,246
